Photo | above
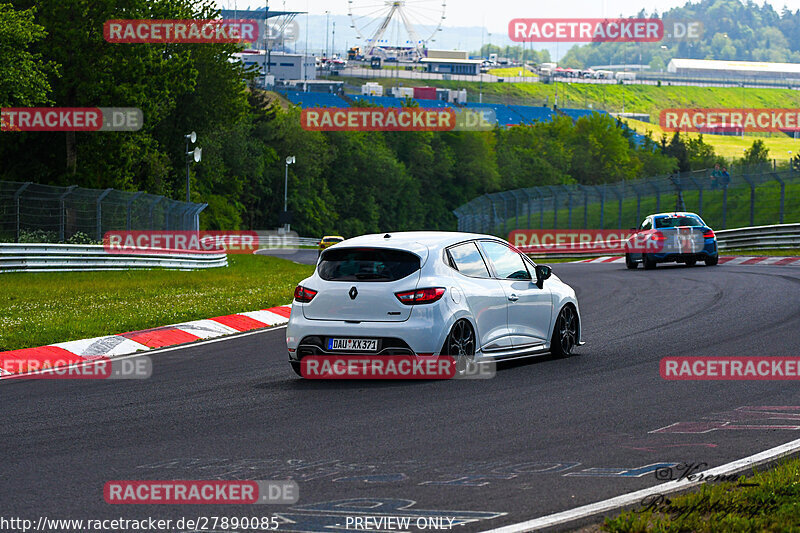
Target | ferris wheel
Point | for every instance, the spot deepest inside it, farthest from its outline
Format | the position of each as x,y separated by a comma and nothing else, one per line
402,29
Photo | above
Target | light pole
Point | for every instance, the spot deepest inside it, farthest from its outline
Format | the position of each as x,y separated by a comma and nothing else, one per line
327,31
267,47
196,154
289,160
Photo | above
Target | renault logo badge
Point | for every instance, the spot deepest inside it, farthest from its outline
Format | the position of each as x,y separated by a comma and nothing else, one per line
353,293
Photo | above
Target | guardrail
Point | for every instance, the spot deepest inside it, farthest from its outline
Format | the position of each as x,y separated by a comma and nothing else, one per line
777,236
74,257
760,237
305,241
279,241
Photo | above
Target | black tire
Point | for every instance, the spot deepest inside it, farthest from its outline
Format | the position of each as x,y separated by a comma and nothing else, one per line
691,262
460,345
565,333
712,261
296,367
630,263
649,262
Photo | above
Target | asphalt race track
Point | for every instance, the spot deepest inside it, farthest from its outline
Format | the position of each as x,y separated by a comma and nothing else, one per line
304,256
541,437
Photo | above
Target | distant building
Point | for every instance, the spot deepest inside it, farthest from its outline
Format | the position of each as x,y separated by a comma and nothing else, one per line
312,86
281,65
734,69
470,67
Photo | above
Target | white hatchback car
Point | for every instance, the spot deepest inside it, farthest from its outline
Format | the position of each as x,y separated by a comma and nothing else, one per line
470,296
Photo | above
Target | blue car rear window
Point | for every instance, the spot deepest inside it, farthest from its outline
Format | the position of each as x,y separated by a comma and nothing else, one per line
674,222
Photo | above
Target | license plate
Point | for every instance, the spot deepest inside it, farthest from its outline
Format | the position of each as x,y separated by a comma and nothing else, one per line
357,345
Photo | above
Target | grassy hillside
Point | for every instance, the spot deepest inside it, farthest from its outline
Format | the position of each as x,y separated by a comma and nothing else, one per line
610,97
649,99
731,147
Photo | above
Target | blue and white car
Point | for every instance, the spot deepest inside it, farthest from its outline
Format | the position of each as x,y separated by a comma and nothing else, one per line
678,237
470,296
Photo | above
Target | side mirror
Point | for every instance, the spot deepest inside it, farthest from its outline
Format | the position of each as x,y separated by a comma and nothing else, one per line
542,273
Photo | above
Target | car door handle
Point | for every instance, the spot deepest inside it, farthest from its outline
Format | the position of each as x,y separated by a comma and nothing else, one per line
513,298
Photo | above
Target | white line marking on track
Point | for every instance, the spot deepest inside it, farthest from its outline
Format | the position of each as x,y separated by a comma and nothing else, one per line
637,496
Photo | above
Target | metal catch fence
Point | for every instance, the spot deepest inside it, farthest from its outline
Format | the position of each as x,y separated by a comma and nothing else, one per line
749,196
32,212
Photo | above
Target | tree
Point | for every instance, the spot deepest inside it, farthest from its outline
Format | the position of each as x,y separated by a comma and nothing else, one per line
23,74
757,154
600,152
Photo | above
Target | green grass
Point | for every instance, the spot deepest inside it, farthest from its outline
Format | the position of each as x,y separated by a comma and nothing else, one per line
738,213
649,99
772,504
783,252
511,72
45,308
729,146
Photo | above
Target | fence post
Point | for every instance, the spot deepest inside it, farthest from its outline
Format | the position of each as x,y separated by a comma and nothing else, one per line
150,214
168,214
555,208
724,206
658,197
493,217
602,206
528,204
699,187
541,208
129,207
505,213
16,203
585,206
196,216
569,206
638,203
100,213
62,207
185,216
487,214
619,195
752,198
676,181
783,194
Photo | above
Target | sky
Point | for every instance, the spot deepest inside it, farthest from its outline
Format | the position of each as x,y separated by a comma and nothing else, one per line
495,14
